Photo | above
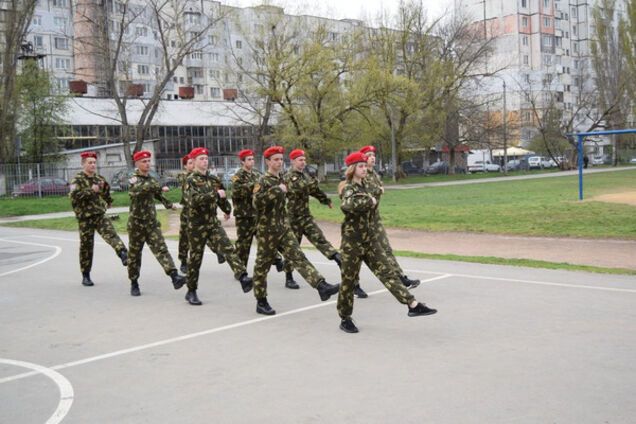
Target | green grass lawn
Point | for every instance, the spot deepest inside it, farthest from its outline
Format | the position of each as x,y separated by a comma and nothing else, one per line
542,207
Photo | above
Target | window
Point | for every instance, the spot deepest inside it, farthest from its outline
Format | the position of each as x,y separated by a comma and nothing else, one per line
576,64
196,55
62,63
546,22
575,47
199,89
546,3
60,3
524,40
547,59
37,20
59,22
197,73
574,30
547,41
524,22
38,41
194,18
239,44
141,31
212,39
214,73
141,50
527,78
214,57
524,3
525,59
143,69
60,43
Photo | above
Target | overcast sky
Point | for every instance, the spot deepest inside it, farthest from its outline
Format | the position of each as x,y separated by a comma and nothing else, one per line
341,9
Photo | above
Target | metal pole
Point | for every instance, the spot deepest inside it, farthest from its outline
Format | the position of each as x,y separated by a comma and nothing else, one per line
393,149
580,150
505,139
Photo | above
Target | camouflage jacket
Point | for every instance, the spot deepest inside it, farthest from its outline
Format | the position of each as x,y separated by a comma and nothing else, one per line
357,205
181,179
269,202
143,191
299,187
243,183
202,198
86,203
374,184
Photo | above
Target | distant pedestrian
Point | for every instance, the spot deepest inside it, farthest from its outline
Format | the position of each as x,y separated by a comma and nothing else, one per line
586,161
361,242
203,193
90,198
273,234
143,226
374,185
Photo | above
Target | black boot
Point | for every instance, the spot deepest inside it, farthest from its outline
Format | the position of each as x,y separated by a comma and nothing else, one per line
289,281
177,280
184,268
280,265
246,282
262,307
192,298
326,290
86,279
337,259
421,309
123,255
408,282
360,294
348,326
134,288
220,258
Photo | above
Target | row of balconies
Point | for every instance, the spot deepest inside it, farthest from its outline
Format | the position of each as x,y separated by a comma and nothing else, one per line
80,87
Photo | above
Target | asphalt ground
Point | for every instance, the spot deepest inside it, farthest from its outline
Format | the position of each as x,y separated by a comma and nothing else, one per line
508,345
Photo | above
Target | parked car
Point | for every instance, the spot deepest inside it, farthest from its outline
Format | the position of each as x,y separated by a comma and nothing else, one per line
45,185
119,180
632,161
440,167
517,165
409,168
534,162
597,160
547,163
484,166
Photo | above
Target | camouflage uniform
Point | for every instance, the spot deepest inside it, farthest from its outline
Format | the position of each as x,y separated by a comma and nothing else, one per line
243,183
204,227
90,211
143,226
273,233
361,241
299,187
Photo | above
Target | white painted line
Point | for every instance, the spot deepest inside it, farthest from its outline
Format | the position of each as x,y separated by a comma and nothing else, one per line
190,336
65,387
58,250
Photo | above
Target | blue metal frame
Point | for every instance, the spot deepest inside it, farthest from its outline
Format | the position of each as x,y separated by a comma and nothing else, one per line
580,137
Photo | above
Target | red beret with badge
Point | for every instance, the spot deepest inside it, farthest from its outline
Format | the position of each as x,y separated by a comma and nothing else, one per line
142,154
85,155
296,153
367,149
355,157
245,153
198,151
274,150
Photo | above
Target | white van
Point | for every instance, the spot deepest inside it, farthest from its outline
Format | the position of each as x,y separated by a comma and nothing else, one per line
534,162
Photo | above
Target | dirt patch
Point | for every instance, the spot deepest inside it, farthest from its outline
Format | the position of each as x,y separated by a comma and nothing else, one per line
626,197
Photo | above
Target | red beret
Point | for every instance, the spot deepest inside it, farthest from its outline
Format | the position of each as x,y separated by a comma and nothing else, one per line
185,159
367,149
198,151
355,157
88,155
274,150
142,154
245,153
296,154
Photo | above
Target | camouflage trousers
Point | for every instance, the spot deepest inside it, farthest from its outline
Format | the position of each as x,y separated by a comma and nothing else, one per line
139,233
87,228
213,235
245,232
306,226
354,252
383,238
184,239
269,243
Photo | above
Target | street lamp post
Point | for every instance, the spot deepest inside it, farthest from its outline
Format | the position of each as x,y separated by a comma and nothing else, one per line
505,139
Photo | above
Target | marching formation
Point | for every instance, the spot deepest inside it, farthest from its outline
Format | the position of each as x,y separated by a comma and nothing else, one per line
273,207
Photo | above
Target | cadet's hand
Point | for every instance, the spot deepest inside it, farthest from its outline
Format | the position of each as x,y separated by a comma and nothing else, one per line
382,189
373,201
165,189
221,193
95,188
226,216
283,187
330,205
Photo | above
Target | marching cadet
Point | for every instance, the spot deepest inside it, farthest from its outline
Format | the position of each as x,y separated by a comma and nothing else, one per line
143,226
243,183
374,185
361,241
184,244
203,193
299,187
273,233
90,197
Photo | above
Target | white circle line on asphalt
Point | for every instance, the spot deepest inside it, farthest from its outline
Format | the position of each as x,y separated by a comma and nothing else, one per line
58,250
66,388
190,336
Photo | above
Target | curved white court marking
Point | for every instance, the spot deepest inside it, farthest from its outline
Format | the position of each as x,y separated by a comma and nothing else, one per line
58,250
66,389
